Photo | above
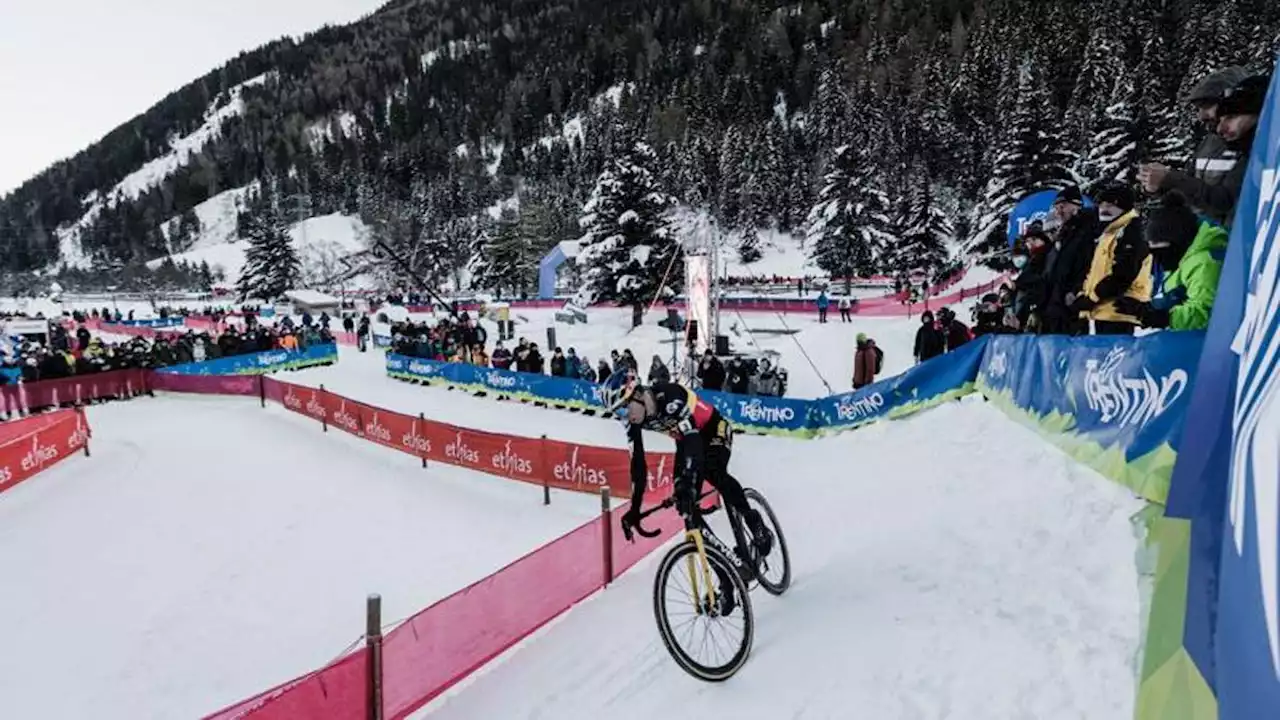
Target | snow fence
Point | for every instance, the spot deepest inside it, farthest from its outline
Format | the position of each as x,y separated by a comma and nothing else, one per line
32,445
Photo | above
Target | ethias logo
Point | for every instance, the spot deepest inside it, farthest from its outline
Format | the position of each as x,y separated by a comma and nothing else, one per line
458,450
579,473
510,462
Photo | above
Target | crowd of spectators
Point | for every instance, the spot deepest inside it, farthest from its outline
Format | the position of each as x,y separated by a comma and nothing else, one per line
1144,256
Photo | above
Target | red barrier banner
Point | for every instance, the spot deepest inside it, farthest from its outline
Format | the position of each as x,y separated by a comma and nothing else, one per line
303,400
345,338
389,429
73,390
441,645
342,413
337,692
503,455
36,444
205,384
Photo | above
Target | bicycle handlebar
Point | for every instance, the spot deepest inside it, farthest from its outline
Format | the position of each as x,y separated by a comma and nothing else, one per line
669,502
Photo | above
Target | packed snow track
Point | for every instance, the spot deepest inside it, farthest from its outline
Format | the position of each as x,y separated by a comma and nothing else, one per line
953,565
210,549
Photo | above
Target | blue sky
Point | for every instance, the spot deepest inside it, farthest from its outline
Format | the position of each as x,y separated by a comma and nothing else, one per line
72,70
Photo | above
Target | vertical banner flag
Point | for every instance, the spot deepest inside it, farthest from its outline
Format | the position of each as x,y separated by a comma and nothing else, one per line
697,276
1227,479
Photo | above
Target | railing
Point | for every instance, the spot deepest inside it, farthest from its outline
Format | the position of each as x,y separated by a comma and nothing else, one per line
35,444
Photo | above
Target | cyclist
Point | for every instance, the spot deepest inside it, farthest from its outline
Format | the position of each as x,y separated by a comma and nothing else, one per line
704,441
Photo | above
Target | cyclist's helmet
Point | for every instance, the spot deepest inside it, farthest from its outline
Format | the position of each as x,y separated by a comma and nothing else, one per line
619,388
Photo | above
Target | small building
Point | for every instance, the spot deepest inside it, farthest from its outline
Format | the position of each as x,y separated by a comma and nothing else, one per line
313,302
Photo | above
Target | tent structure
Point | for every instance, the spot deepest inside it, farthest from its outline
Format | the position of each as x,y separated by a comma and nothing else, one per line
547,267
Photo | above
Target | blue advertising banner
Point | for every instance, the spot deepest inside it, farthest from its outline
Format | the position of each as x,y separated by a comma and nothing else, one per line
1116,404
155,322
259,363
927,384
943,378
1227,480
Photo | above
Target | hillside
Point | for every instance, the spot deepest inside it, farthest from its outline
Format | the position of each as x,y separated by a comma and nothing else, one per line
417,119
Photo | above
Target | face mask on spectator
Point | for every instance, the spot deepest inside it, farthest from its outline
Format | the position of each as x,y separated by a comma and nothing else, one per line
1019,261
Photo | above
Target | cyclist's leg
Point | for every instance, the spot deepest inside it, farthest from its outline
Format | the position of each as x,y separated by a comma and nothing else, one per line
719,452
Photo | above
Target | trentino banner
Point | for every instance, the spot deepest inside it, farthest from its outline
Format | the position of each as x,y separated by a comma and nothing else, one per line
1116,404
1227,480
259,363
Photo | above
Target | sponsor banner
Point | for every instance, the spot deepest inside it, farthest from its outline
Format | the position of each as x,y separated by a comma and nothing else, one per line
36,444
205,384
1227,478
943,378
585,468
155,323
1116,404
772,415
258,363
78,390
930,383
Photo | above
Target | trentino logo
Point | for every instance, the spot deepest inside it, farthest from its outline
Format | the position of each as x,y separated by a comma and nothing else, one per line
861,408
1129,400
418,368
998,367
499,380
1256,420
756,411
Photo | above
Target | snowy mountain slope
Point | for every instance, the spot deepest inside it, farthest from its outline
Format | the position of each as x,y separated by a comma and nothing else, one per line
217,217
321,243
987,576
189,564
154,172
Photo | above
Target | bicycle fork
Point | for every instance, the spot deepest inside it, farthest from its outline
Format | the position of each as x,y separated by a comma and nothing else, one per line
700,566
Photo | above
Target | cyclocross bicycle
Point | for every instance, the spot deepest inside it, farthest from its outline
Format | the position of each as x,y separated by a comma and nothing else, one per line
714,588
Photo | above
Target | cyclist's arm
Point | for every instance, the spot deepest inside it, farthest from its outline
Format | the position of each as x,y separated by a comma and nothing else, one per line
639,470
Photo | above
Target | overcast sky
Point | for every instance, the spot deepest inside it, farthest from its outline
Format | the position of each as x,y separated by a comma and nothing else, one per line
72,70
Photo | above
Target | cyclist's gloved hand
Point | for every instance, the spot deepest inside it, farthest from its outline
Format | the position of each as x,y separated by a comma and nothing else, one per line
686,495
629,521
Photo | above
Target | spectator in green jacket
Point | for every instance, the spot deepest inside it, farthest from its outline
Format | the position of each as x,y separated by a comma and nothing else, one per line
1190,251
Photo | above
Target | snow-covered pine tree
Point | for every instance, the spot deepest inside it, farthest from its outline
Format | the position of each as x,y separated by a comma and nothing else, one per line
512,260
849,228
629,251
1114,152
271,265
1032,156
925,230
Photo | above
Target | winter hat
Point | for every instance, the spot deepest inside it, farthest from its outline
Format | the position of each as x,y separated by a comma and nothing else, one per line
1214,86
1245,97
1116,193
1171,227
862,337
1070,195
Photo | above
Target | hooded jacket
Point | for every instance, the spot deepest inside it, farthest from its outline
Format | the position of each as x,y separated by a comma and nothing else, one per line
1190,290
1121,267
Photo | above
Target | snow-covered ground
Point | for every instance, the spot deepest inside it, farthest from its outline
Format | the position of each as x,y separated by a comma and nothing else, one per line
949,566
210,549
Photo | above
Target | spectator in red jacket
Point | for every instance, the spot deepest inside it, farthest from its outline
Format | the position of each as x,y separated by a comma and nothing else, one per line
867,361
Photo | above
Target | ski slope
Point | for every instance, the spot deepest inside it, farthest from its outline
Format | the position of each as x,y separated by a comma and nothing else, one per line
210,549
949,566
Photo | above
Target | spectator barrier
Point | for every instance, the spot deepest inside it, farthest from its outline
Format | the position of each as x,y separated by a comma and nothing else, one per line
923,386
257,363
35,444
155,323
1117,406
23,398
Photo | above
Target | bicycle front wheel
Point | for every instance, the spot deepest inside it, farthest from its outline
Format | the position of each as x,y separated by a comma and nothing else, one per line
709,640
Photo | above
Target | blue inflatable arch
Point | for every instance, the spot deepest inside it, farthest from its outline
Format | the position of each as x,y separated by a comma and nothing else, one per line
550,264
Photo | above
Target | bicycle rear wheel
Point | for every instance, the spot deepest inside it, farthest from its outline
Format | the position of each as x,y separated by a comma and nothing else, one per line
689,626
773,572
